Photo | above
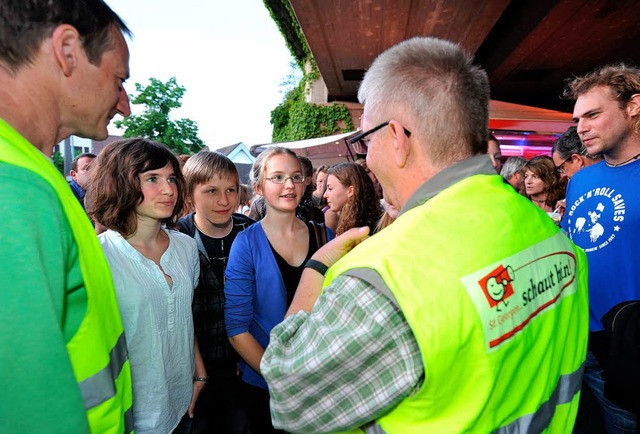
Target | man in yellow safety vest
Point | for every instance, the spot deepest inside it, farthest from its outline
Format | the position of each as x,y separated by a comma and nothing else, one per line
467,314
65,367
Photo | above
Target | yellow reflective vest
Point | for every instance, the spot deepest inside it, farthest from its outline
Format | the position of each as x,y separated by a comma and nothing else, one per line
97,351
496,297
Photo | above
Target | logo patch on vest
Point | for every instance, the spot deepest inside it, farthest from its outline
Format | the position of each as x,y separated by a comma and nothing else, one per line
509,294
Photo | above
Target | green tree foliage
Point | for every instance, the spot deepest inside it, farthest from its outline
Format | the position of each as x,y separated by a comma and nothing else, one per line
155,123
296,119
58,161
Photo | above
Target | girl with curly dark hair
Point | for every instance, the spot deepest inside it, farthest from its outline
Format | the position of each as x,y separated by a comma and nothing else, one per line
351,193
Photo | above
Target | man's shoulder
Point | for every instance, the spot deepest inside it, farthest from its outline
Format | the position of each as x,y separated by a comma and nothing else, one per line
10,173
589,171
598,176
584,179
19,185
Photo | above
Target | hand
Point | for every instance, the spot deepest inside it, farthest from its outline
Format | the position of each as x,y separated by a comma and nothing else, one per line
310,285
561,206
340,246
197,388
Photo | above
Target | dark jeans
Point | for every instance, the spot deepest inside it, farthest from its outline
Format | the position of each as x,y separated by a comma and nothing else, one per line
220,408
257,402
616,419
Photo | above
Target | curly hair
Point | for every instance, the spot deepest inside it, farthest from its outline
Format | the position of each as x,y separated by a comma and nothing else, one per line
555,186
114,190
363,208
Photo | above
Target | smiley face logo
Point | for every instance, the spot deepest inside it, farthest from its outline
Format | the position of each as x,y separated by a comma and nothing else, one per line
497,286
495,289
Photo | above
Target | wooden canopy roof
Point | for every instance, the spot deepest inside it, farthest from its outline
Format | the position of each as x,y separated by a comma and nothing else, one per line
527,47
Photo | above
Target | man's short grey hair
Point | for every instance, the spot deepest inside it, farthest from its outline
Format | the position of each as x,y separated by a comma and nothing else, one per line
432,85
512,166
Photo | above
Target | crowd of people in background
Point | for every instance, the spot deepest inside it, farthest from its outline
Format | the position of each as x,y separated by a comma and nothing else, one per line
412,290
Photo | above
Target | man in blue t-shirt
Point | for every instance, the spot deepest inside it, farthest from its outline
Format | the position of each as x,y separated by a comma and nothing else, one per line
603,209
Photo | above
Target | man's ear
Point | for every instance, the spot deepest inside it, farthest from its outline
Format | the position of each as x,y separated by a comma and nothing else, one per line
400,144
67,47
633,106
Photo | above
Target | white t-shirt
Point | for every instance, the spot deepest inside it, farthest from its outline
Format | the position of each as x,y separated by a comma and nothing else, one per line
158,325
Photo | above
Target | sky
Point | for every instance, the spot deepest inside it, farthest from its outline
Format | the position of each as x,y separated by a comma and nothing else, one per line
228,54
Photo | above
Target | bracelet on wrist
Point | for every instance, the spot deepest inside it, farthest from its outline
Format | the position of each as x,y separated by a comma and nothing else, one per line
316,265
202,379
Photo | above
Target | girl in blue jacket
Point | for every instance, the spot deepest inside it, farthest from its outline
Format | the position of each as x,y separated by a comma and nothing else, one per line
265,265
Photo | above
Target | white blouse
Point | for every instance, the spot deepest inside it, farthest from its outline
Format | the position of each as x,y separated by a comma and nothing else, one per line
158,325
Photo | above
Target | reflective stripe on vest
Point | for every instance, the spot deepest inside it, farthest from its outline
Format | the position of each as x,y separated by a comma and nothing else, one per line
97,350
567,387
100,387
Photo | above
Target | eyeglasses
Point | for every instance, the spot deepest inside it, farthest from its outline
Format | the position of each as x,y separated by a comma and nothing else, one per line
360,145
281,179
560,168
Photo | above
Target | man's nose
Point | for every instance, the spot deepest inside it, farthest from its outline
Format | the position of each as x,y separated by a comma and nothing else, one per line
123,107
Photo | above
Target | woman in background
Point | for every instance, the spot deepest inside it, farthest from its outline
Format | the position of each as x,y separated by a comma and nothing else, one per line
351,193
245,193
543,185
319,182
389,216
136,192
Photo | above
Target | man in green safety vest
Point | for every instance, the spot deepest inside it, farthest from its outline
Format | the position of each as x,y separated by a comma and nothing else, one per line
469,313
63,356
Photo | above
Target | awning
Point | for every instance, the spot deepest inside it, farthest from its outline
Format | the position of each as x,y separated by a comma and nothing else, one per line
328,150
308,143
515,117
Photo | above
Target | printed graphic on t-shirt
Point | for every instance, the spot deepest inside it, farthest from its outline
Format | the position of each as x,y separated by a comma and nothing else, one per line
595,218
510,293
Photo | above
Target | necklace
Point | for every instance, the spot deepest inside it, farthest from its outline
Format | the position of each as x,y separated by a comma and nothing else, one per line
635,157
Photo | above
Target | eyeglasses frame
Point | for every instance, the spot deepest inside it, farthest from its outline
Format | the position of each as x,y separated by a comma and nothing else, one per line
364,134
286,178
560,168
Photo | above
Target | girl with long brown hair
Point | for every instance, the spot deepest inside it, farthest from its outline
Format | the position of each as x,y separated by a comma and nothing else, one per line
351,193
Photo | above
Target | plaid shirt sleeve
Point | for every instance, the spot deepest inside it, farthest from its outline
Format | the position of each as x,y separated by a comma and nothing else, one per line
343,365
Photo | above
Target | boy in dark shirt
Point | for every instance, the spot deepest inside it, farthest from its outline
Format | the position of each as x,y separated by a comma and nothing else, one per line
212,185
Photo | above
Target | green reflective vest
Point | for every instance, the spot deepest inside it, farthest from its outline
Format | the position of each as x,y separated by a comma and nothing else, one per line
496,297
97,351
